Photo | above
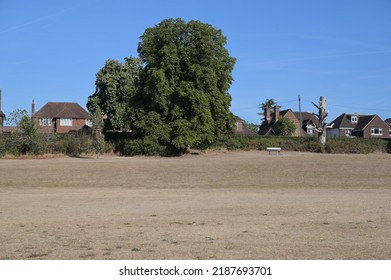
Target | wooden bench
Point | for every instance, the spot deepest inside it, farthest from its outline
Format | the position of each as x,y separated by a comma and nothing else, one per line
273,149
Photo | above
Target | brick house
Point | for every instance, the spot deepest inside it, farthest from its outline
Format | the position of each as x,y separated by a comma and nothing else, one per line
241,129
304,128
60,117
388,121
355,125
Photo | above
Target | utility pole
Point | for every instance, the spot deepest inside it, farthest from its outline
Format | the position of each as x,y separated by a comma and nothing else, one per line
300,119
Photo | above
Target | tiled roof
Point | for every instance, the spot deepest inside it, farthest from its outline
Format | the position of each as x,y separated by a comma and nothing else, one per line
245,131
363,121
62,110
343,121
307,116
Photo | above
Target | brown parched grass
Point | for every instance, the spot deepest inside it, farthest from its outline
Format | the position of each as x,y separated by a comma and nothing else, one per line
217,205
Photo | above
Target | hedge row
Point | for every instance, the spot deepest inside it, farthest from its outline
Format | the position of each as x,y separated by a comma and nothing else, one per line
131,147
124,144
306,144
71,144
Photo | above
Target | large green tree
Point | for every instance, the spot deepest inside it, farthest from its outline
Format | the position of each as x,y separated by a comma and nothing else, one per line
183,99
115,84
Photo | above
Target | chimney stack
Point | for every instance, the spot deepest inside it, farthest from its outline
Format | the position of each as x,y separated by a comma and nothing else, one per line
276,113
267,115
32,108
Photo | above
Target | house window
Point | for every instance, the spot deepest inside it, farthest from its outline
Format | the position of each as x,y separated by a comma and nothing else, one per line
65,122
45,122
310,129
376,131
348,132
89,123
353,119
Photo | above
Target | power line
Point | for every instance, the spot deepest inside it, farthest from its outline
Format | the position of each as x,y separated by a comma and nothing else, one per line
359,107
354,107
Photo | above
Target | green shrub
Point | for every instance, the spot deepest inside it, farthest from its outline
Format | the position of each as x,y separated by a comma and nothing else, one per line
355,145
145,147
3,149
235,143
71,145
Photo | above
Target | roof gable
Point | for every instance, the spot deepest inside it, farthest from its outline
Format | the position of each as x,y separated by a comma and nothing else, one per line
307,116
342,121
363,121
62,110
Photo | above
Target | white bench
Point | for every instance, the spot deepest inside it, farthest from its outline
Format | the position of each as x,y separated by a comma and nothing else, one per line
273,149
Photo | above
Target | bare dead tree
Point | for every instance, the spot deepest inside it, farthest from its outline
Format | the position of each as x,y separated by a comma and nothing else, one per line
322,116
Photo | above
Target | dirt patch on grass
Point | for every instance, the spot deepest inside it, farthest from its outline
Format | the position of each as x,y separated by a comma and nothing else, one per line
234,205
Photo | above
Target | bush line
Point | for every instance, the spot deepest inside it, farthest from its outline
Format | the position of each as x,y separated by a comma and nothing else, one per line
75,144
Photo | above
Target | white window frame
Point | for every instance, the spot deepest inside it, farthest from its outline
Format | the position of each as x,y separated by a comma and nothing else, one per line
376,131
310,129
45,122
354,119
89,123
348,132
66,122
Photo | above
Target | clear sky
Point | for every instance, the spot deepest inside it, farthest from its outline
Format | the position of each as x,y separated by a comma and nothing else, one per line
340,49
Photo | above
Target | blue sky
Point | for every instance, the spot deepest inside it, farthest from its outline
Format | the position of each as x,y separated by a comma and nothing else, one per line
340,49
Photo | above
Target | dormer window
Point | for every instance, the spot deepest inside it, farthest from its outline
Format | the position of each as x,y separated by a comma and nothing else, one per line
310,129
353,119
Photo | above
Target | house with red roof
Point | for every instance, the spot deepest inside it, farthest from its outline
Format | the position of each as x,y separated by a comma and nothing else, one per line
60,117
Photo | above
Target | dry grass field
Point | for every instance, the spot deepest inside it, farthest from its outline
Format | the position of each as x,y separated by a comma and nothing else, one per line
226,205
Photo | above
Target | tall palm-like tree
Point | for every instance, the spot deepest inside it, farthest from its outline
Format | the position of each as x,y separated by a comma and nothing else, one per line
270,103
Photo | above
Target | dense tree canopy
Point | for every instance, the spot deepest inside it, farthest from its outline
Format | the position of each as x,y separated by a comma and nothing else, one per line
175,95
115,84
183,98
